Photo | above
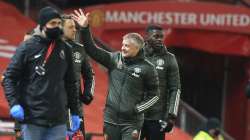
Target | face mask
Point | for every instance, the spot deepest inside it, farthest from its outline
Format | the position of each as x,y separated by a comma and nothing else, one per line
53,33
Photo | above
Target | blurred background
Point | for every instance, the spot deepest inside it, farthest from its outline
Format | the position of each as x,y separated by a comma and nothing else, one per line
210,38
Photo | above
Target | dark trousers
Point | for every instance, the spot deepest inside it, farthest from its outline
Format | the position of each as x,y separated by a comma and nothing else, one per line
151,130
121,132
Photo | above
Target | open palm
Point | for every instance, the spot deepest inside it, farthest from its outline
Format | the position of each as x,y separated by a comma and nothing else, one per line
81,18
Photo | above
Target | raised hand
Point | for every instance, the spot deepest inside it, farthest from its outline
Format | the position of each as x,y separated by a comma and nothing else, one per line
81,18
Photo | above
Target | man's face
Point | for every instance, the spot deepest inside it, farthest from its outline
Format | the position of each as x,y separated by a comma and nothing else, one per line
69,29
155,38
53,23
129,49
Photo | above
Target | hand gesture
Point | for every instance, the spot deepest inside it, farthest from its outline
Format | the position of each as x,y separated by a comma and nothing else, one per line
81,18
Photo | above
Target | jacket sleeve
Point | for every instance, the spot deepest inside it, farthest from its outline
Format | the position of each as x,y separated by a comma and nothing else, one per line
71,85
151,91
173,86
98,54
89,82
103,45
13,75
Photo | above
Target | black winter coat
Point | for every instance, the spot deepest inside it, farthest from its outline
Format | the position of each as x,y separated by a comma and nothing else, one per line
45,98
133,84
169,79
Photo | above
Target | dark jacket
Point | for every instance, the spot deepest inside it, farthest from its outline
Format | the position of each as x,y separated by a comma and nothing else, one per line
84,71
129,79
169,79
46,98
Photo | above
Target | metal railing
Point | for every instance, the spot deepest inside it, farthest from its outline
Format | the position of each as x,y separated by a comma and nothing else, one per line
190,120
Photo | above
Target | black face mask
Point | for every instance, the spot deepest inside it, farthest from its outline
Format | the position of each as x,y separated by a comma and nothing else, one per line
53,33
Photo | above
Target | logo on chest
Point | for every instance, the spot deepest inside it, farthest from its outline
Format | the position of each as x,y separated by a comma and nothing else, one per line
77,57
136,72
159,64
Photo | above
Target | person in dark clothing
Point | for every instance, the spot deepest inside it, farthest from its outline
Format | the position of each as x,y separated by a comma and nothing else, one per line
133,83
83,69
161,117
39,82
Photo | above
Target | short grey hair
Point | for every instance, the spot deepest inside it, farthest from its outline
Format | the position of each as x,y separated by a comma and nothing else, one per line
136,38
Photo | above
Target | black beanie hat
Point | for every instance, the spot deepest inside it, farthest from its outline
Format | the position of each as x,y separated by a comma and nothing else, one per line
46,14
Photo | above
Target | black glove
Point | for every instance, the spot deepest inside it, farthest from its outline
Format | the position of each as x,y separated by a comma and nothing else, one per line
86,99
166,126
163,125
169,127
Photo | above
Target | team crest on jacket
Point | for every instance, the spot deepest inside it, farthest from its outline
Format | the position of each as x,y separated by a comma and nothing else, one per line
159,64
136,72
77,57
62,54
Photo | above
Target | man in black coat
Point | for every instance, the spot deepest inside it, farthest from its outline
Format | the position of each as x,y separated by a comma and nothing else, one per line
39,82
82,67
161,117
